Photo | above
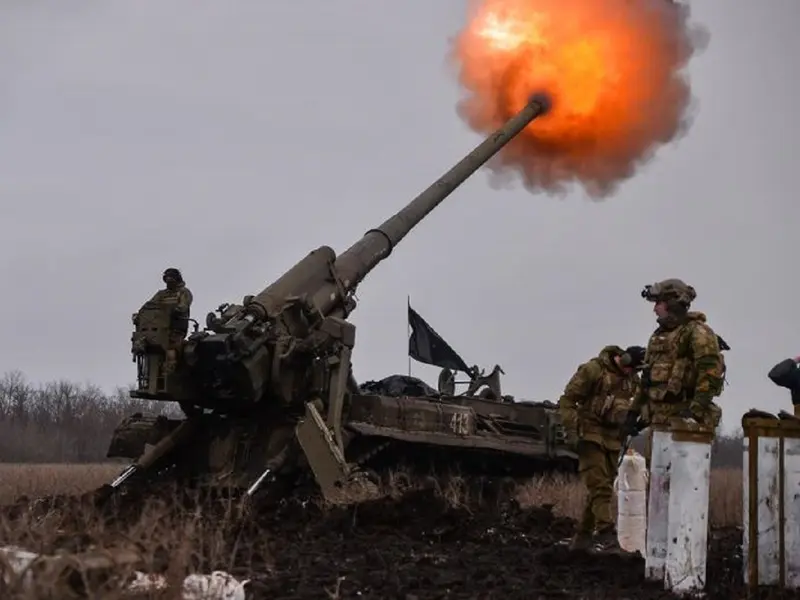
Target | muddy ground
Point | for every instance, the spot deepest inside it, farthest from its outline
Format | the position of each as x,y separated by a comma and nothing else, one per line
419,547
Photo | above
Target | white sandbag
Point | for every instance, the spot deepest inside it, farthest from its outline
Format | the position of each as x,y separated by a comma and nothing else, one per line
13,563
631,488
217,586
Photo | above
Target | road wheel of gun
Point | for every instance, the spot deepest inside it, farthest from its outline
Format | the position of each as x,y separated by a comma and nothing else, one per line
452,483
474,476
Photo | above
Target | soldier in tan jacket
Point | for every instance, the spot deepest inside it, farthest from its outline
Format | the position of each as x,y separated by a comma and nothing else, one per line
593,408
179,298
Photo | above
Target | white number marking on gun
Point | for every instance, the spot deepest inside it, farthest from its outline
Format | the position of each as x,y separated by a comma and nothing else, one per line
459,423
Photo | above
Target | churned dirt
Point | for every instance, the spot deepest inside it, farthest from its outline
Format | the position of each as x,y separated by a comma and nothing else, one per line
418,546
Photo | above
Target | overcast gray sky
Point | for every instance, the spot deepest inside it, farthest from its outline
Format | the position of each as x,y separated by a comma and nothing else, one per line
230,138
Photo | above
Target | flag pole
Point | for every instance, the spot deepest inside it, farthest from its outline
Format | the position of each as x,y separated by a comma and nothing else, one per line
408,331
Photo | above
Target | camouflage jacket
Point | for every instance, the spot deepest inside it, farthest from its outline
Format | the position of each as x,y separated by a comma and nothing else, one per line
683,364
597,398
180,299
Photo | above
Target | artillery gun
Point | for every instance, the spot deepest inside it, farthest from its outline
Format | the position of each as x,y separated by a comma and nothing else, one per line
267,387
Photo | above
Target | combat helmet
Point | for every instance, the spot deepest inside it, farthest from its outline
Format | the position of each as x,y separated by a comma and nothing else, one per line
172,272
633,357
671,290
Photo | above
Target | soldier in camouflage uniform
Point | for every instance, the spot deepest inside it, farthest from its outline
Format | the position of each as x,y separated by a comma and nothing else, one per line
177,296
684,367
593,409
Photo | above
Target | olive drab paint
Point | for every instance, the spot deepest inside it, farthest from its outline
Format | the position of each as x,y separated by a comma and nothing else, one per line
267,387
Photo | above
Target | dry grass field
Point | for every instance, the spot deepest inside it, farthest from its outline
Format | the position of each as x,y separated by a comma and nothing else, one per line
176,542
567,495
418,541
34,480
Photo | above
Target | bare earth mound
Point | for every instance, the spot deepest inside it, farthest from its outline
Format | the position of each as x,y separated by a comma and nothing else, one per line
419,547
412,548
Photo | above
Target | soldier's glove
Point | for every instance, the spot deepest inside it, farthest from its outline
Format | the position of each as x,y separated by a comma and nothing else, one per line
631,424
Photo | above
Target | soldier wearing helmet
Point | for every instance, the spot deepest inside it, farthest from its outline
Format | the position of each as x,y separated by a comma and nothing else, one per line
178,298
593,409
684,367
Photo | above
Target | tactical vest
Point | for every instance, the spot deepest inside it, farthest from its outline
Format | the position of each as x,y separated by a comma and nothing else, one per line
610,391
169,299
672,376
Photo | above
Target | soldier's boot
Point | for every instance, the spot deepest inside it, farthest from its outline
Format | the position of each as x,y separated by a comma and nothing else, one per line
582,540
605,540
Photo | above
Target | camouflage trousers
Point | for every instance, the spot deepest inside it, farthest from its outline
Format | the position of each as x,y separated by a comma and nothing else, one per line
597,467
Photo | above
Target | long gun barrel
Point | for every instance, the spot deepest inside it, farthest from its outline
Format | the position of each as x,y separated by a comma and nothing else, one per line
363,256
252,344
288,349
355,263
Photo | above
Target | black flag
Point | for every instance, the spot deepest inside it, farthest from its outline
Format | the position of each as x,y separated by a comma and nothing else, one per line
427,346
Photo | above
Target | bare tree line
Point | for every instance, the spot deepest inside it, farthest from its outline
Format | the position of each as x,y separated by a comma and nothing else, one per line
65,422
61,421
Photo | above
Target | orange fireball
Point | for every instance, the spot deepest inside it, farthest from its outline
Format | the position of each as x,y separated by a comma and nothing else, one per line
612,67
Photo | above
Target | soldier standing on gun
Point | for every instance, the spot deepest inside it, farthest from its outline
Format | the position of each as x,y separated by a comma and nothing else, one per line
684,367
177,296
593,409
